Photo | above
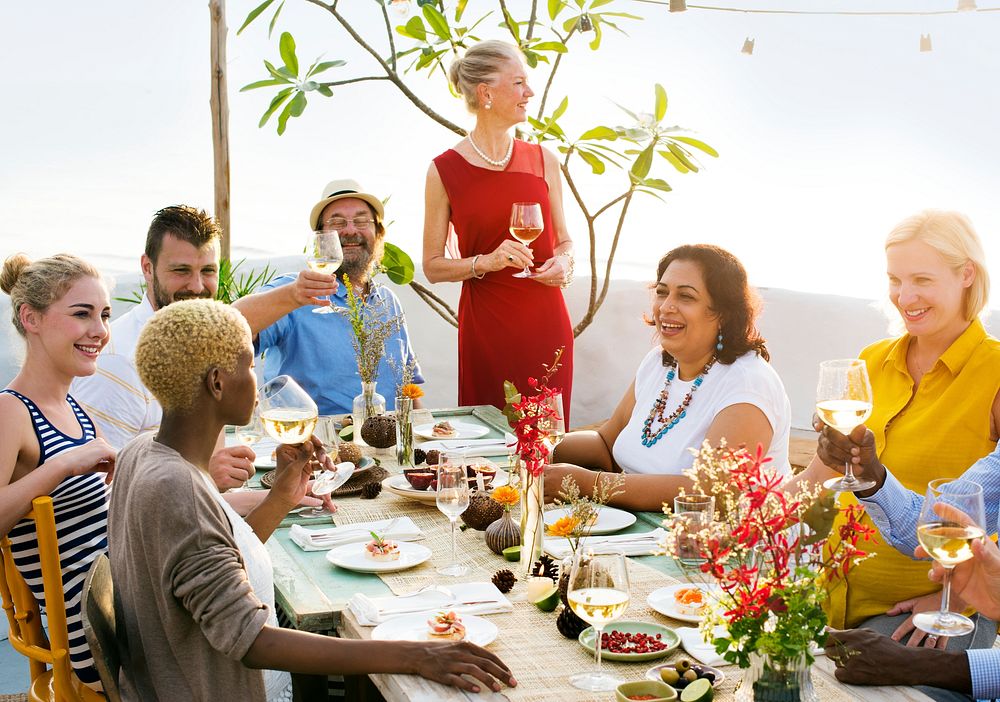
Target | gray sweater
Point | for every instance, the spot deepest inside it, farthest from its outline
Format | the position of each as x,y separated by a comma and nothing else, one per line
186,610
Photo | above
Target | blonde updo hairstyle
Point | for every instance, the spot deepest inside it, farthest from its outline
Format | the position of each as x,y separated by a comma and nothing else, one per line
40,283
952,235
480,64
182,342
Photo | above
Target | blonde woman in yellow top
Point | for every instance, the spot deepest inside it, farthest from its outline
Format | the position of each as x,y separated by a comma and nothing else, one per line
937,401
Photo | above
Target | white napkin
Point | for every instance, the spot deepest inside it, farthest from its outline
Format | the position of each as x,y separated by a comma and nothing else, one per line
473,447
696,647
482,598
641,544
326,539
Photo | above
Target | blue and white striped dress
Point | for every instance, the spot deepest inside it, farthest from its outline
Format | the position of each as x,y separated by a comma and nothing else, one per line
81,514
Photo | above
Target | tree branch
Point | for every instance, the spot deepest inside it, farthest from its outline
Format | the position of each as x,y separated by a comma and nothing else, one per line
614,247
532,19
388,34
614,202
443,309
552,74
508,19
353,80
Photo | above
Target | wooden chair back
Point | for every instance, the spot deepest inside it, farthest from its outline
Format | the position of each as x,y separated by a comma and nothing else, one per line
99,625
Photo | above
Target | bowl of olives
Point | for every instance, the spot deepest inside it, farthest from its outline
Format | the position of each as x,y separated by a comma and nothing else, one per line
682,672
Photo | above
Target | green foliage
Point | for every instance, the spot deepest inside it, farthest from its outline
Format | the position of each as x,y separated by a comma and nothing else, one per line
397,265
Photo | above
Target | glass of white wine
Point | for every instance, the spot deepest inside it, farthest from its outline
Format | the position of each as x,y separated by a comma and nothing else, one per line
250,433
951,519
554,428
324,255
844,401
526,224
452,500
598,593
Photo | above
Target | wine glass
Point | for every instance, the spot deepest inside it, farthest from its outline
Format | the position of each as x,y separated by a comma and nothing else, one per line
452,500
289,415
951,519
526,224
598,593
554,428
324,255
843,401
250,433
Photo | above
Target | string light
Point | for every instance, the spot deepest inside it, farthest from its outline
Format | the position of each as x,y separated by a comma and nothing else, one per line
584,24
748,44
925,43
963,6
678,5
966,6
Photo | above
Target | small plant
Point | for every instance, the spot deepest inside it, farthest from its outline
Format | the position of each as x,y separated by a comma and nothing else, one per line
371,325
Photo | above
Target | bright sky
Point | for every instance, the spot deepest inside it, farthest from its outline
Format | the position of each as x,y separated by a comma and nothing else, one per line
833,130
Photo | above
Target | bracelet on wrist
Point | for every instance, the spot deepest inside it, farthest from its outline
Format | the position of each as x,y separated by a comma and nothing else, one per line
477,276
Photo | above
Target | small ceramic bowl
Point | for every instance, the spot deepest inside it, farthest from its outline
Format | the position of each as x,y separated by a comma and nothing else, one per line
663,692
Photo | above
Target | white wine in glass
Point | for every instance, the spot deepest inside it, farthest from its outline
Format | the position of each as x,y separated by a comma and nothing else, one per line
844,401
554,428
598,593
324,255
289,426
452,500
951,518
526,225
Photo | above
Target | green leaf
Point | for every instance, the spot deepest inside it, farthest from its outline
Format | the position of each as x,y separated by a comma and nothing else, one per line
674,161
628,112
598,33
254,14
286,45
324,90
274,20
599,133
264,84
682,157
540,126
460,9
643,163
556,46
595,163
697,144
325,66
275,104
619,14
561,109
530,57
397,264
513,27
555,7
600,3
437,21
658,184
661,103
285,114
414,29
310,85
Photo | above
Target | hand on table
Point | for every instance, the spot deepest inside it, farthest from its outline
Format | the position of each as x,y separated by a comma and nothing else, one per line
918,637
231,466
453,662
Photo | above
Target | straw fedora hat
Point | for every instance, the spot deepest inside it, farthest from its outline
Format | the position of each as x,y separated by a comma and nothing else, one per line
338,190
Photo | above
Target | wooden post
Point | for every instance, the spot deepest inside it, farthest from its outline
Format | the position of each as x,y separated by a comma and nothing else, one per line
220,120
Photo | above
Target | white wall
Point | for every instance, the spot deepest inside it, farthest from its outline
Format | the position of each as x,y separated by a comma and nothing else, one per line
801,329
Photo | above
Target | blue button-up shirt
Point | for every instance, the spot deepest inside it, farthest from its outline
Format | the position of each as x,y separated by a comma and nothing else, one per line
316,350
895,511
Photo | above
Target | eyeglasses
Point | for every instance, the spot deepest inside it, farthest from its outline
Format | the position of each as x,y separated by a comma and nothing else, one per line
360,223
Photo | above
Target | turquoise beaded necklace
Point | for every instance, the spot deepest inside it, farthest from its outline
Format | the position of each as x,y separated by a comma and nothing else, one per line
656,414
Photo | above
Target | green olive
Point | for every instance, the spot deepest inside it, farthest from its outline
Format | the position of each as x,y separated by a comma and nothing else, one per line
682,665
690,675
669,675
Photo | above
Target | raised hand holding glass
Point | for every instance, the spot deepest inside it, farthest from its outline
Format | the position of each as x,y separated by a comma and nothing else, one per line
324,255
844,401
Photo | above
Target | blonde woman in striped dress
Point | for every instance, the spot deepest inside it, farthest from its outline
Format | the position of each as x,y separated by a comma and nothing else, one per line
48,444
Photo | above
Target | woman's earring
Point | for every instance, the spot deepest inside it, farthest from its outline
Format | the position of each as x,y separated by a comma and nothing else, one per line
489,105
718,345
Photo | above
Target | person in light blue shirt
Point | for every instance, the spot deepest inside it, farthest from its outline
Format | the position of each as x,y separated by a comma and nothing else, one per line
316,349
895,511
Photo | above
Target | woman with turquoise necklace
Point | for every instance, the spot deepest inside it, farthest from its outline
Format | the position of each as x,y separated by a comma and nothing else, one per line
708,378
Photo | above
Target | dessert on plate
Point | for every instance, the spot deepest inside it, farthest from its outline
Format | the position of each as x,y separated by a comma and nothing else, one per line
443,429
689,600
446,625
380,549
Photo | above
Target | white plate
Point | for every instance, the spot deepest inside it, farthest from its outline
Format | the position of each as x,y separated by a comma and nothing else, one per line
413,627
399,485
609,519
352,557
663,601
462,431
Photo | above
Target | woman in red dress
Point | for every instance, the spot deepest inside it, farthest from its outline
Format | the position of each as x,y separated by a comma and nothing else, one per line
507,327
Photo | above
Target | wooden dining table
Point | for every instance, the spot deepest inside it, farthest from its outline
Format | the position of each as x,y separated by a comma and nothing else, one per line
312,595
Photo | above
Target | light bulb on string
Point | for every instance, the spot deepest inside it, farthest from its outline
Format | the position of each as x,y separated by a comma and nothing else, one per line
401,8
966,6
925,43
584,24
678,5
748,45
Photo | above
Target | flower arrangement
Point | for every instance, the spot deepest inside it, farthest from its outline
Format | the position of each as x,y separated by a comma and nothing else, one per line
582,511
372,324
768,553
507,496
411,391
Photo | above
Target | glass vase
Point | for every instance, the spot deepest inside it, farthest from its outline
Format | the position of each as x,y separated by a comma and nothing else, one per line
368,404
404,431
532,522
771,680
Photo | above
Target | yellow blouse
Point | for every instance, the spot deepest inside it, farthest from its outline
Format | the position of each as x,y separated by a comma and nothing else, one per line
936,432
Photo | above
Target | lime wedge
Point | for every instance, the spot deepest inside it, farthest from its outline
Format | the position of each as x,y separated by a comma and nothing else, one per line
347,433
549,600
699,690
513,553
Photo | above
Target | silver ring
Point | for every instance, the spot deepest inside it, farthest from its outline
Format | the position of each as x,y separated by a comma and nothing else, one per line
510,258
932,640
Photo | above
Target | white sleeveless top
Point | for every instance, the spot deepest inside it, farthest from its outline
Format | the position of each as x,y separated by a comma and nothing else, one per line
748,380
257,561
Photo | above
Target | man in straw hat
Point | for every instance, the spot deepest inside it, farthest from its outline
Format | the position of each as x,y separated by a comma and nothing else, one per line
316,349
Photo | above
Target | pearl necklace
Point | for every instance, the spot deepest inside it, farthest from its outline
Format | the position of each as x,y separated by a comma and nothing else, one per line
493,162
667,423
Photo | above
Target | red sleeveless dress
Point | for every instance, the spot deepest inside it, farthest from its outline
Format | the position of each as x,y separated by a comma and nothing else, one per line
507,327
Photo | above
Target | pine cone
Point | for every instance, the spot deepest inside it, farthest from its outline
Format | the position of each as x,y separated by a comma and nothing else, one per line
547,567
419,456
569,624
504,579
370,491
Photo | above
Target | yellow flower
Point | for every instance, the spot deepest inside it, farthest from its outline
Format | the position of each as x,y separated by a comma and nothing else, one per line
506,495
412,391
564,526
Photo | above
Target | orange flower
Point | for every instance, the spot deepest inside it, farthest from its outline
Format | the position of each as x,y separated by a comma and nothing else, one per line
564,526
411,390
506,495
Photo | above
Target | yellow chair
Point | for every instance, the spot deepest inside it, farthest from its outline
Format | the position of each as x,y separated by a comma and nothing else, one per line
57,683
